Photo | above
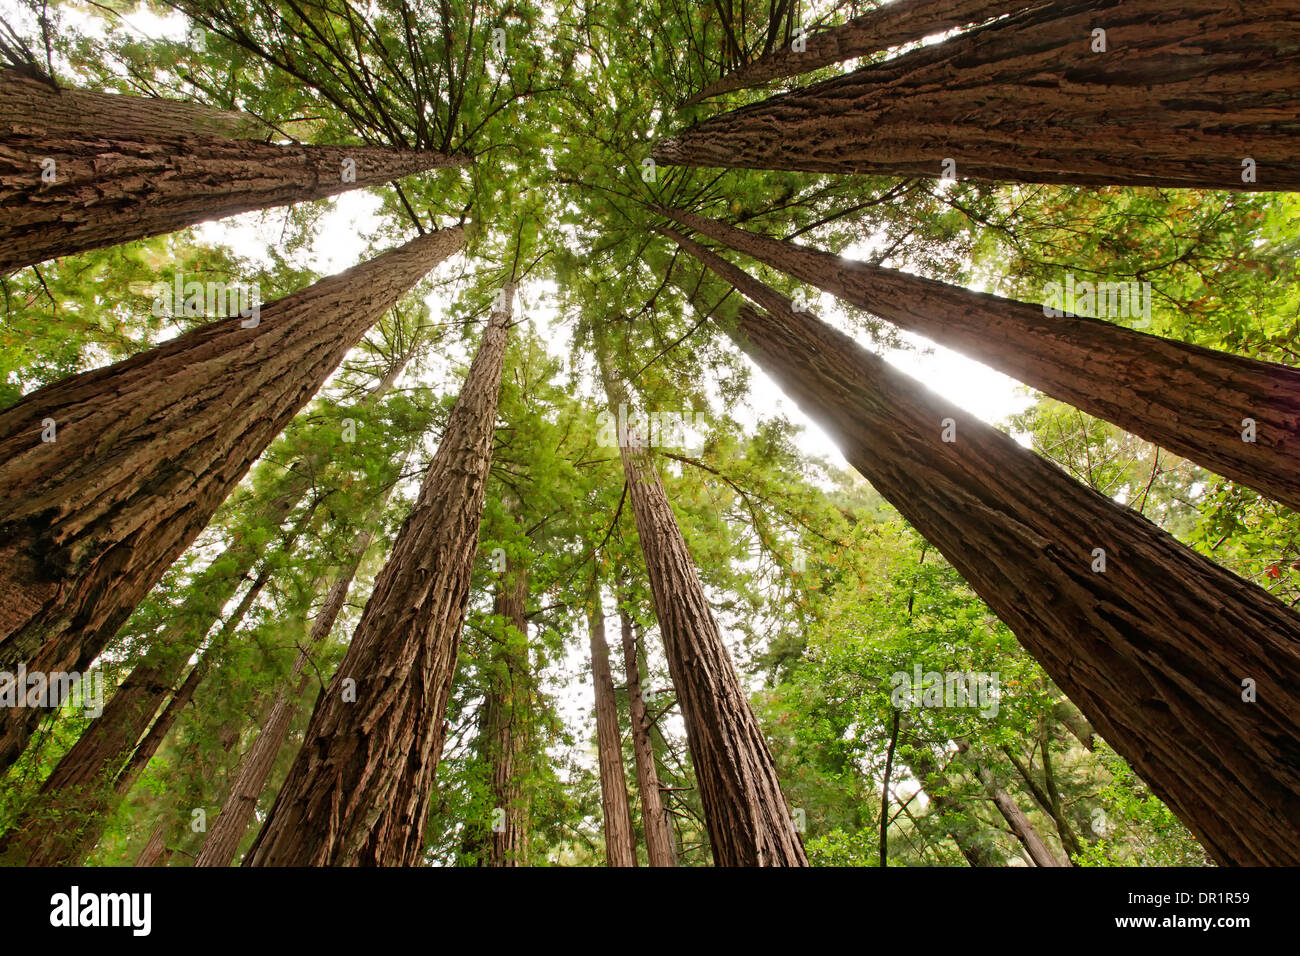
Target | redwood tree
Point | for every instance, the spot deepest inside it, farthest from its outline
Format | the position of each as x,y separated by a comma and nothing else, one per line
745,812
137,456
1189,672
81,170
654,817
620,840
1189,93
1191,400
358,792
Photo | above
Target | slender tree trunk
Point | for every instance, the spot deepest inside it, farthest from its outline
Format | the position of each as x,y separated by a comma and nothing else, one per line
1188,399
654,819
1185,91
1154,645
155,848
1073,720
148,448
884,791
923,766
504,728
223,839
745,812
358,792
889,25
127,167
1020,824
1048,800
620,840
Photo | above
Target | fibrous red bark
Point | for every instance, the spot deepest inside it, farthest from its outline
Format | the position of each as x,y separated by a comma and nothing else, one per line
1191,93
620,840
128,167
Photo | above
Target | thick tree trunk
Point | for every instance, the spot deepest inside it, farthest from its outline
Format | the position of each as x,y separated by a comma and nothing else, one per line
504,737
1154,646
127,167
654,818
1188,399
891,24
358,792
148,448
746,814
223,839
620,840
1184,92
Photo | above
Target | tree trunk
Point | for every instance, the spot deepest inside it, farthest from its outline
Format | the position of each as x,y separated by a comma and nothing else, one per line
1188,399
358,792
155,848
128,167
148,448
222,841
504,737
1185,92
886,26
620,841
654,818
1154,646
745,812
1020,824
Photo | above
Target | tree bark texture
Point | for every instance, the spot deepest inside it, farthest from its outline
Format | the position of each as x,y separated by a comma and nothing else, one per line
1185,91
654,818
128,167
620,839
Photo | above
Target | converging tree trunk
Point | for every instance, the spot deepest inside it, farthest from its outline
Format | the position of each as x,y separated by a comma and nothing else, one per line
358,792
1191,93
1152,641
1194,401
620,840
890,24
1021,825
654,818
81,170
504,729
746,814
106,477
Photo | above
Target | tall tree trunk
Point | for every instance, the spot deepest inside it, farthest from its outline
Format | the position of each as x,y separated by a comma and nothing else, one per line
620,840
1185,91
1188,399
654,818
504,737
147,449
358,792
1154,646
888,25
128,167
746,814
1047,798
223,839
